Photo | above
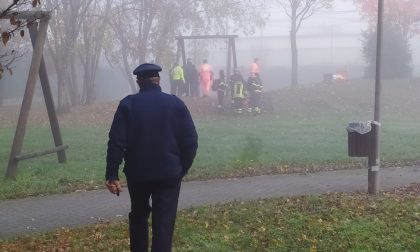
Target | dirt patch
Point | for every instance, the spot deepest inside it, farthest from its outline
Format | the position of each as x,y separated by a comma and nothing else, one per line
399,97
98,114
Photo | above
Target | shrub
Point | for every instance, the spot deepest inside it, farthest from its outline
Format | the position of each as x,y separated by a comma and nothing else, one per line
396,53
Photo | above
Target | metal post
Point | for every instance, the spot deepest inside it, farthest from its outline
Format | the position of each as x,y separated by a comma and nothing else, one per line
374,162
27,99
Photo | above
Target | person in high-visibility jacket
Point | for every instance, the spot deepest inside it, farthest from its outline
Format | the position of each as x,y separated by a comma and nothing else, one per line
254,87
237,85
178,80
255,67
206,77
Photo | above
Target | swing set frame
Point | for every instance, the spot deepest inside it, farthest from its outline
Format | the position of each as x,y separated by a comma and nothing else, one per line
38,37
231,57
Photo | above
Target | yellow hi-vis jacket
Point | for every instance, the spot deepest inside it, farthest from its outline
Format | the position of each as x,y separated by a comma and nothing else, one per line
178,73
238,89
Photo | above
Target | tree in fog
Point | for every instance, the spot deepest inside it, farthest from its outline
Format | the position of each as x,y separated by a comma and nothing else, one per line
145,29
402,23
65,26
90,48
75,43
298,11
396,53
11,50
7,13
8,55
402,15
8,58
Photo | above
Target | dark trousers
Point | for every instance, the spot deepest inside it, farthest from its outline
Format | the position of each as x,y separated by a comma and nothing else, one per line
238,104
254,100
187,88
194,89
164,195
220,96
177,87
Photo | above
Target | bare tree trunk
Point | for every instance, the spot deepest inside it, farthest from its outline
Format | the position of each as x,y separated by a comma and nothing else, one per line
86,66
294,76
74,94
1,93
93,30
91,95
294,51
64,102
129,75
63,82
65,29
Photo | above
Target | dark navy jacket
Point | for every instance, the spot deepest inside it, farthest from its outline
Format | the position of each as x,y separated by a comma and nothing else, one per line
155,135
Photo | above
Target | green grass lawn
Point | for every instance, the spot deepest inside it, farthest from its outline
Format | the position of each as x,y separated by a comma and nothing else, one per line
332,222
305,131
227,148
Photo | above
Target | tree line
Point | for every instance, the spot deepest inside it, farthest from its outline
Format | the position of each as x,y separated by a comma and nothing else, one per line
126,33
129,32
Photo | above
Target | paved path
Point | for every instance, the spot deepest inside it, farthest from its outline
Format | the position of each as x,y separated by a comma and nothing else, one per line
76,209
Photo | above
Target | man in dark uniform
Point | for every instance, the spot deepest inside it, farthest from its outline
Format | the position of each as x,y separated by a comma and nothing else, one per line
254,89
155,135
220,87
191,79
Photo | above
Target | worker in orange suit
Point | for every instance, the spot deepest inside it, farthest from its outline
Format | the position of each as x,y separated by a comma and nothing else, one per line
206,78
255,68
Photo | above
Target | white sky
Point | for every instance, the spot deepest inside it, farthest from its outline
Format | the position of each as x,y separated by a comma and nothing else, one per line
343,18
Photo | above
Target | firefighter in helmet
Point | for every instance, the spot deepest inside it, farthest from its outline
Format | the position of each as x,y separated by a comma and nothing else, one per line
237,85
254,87
220,86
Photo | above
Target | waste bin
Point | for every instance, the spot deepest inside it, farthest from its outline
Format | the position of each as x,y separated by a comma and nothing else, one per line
359,138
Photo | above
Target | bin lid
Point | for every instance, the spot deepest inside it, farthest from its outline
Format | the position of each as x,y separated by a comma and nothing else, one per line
359,127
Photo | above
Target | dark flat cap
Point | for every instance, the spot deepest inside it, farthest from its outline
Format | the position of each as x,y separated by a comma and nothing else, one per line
147,70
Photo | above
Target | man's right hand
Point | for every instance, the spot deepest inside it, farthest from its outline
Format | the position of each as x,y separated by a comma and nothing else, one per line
113,186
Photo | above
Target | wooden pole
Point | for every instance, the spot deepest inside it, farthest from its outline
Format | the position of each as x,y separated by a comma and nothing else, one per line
229,59
235,63
41,153
184,59
229,66
29,15
27,99
207,37
49,101
178,51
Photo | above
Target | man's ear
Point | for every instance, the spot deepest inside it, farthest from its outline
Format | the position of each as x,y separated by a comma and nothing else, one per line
155,80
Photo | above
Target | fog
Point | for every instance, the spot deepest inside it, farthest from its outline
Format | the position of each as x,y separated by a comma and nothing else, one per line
289,130
328,42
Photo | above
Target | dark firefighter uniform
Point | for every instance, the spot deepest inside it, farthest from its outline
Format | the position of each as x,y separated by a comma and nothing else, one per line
237,91
220,87
255,89
155,135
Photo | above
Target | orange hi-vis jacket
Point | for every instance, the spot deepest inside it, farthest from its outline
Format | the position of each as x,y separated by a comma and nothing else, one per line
255,69
206,73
